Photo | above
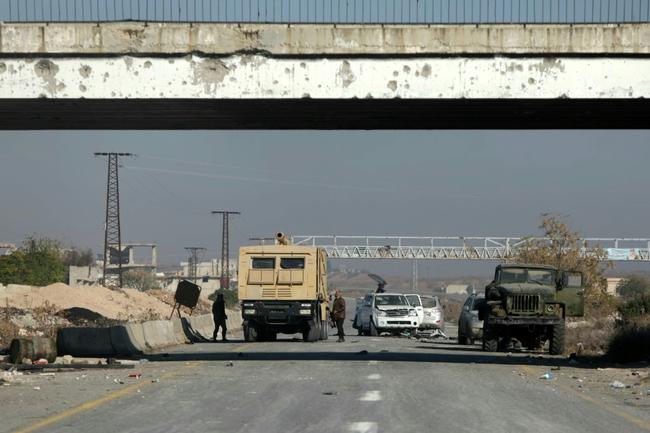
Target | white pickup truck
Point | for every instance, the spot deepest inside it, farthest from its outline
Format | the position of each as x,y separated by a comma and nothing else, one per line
385,312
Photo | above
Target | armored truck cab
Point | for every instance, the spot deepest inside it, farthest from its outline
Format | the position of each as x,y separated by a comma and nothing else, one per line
283,289
529,303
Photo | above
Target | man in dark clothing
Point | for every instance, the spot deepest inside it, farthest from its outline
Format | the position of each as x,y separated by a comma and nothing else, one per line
219,316
338,314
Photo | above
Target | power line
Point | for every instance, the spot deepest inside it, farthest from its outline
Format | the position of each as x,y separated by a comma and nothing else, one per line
112,227
225,247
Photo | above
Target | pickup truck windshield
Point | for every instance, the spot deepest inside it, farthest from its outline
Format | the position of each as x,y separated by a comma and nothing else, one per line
390,300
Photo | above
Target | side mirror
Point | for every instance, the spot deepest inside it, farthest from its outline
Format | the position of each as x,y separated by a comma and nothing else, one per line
466,308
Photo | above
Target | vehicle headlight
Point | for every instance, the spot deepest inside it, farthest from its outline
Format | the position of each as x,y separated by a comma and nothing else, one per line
305,312
380,313
249,311
412,313
305,305
550,308
248,304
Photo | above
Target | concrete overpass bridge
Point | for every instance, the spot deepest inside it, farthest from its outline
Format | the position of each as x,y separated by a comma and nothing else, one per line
326,75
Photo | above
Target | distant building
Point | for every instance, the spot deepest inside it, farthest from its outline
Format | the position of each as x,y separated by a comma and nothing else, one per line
211,269
208,275
612,286
457,289
85,275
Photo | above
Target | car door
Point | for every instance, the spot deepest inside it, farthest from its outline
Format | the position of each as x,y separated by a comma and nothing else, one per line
416,302
571,293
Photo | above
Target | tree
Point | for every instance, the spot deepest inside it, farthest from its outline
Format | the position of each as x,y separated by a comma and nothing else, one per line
563,248
140,280
36,263
633,286
78,257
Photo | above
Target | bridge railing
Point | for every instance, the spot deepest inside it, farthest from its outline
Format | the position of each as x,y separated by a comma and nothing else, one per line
330,11
459,247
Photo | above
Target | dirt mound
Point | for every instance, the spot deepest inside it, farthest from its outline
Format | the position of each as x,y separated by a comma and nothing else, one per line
121,304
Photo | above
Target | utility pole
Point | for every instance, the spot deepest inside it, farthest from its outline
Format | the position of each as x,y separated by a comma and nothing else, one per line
112,230
193,261
414,280
225,247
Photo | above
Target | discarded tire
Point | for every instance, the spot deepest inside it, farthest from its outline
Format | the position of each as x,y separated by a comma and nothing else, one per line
33,348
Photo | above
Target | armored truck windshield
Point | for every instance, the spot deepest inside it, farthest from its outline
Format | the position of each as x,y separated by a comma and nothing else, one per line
524,275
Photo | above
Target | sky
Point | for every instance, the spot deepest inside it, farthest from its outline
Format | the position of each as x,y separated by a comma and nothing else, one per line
412,183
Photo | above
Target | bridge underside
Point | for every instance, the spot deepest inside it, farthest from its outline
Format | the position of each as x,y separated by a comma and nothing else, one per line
34,114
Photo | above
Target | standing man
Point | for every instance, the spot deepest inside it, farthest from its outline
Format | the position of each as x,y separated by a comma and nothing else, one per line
219,316
338,314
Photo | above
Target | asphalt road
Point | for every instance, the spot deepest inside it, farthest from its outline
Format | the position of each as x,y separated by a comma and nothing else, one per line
366,384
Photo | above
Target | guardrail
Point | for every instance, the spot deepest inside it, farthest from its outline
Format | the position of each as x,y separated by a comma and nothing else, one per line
330,11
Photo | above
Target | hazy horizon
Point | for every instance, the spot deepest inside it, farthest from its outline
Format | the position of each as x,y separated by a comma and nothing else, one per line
415,183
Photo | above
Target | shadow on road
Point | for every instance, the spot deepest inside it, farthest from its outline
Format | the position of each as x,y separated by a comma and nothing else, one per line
477,357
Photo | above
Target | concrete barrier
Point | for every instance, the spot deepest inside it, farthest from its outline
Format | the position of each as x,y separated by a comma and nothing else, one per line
124,342
135,339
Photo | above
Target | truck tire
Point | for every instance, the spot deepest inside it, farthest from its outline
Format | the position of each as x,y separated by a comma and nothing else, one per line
490,341
373,330
556,345
311,332
250,332
324,333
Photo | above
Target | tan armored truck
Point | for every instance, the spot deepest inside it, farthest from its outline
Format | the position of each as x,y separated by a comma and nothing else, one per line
283,289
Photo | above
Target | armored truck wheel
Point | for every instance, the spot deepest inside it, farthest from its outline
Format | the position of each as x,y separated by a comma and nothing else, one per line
556,343
312,331
250,332
324,333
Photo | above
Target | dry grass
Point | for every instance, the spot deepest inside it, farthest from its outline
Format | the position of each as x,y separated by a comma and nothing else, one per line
452,309
8,331
630,344
590,337
45,317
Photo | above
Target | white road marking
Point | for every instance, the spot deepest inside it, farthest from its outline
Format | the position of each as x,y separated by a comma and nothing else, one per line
363,427
371,396
373,362
374,376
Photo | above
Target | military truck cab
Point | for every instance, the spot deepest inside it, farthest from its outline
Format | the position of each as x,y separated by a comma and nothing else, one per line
283,289
529,304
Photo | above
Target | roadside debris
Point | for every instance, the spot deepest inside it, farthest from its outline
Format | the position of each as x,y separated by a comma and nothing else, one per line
136,375
330,393
617,385
230,364
547,376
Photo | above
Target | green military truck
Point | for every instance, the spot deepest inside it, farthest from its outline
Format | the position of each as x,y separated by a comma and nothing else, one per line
529,303
283,289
